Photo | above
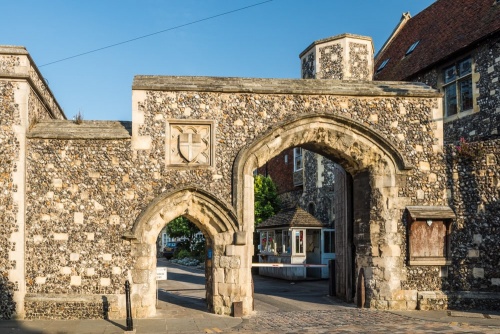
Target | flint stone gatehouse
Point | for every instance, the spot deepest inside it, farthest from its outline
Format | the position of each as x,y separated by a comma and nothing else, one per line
82,203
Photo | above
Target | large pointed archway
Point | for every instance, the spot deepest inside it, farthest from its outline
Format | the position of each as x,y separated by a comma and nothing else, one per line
217,222
374,164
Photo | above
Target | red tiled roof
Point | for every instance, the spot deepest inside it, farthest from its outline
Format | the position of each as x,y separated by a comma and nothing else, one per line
443,28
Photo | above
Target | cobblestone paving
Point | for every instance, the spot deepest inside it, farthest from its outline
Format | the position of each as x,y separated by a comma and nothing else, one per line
349,321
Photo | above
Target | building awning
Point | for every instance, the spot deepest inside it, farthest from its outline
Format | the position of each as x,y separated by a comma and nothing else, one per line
431,212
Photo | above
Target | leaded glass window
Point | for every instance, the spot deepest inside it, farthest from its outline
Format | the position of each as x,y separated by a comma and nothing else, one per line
457,87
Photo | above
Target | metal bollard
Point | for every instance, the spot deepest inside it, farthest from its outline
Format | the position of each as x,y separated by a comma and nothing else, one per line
331,278
130,322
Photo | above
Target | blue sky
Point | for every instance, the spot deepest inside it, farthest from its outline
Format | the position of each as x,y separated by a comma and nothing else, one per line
262,41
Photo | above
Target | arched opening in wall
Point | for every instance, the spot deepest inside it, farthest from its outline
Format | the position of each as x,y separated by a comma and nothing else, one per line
367,165
311,229
311,209
216,221
182,255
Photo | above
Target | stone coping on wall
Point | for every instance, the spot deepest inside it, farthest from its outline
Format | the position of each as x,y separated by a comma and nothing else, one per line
63,129
31,73
334,38
13,49
282,86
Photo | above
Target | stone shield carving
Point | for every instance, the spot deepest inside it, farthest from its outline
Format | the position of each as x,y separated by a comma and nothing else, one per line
190,143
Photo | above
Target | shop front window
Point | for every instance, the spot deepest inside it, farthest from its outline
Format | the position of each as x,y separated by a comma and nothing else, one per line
279,240
267,241
286,242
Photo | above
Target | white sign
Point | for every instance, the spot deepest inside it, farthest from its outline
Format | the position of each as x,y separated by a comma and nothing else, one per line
161,273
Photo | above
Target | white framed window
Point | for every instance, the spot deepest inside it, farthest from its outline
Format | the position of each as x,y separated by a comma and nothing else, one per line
299,240
457,87
297,159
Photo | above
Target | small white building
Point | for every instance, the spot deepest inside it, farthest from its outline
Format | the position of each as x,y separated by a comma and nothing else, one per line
294,236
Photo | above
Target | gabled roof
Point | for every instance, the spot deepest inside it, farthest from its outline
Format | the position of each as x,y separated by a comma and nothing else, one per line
444,28
293,217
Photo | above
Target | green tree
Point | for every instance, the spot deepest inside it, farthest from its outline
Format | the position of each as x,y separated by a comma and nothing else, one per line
181,227
266,198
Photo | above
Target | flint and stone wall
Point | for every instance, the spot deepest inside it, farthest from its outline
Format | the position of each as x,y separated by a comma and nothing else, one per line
24,99
242,116
8,207
96,197
319,183
473,190
84,194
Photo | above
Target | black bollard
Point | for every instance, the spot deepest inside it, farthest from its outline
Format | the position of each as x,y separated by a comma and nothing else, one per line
331,278
130,322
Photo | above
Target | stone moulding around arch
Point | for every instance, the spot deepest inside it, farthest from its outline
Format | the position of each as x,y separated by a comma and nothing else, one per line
282,128
221,209
387,146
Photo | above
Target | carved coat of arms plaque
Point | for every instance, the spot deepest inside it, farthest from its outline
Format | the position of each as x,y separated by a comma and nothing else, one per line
189,143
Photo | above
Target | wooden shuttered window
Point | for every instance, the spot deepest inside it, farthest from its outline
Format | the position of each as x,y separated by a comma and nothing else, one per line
429,232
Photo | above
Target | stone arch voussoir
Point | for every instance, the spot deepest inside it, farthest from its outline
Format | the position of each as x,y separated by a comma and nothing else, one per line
351,144
211,214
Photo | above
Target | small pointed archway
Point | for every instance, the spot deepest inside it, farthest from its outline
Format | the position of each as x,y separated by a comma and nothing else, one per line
217,222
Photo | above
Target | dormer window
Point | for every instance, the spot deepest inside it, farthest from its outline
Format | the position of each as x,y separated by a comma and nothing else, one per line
411,48
381,67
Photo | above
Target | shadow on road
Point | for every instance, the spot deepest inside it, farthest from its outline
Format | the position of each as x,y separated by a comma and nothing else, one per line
185,287
13,326
181,298
294,295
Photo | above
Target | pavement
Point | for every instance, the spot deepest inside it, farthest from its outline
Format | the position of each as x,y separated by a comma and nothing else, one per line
280,307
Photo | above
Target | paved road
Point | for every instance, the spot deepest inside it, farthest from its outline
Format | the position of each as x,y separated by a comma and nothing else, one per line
305,307
280,307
